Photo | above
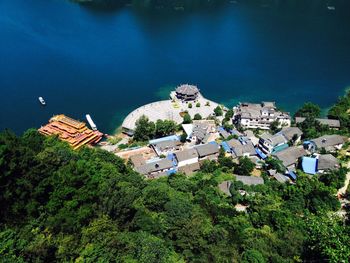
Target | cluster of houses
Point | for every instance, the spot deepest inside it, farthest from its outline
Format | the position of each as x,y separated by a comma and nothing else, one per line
173,156
204,139
259,116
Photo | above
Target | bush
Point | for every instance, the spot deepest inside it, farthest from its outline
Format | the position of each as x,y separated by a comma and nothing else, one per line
198,104
197,116
123,146
190,105
187,119
218,111
114,140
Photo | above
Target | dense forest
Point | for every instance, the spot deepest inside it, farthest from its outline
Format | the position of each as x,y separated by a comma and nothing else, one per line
60,205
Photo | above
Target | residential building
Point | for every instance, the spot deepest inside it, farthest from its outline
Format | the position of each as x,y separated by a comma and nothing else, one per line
197,132
278,176
320,164
241,148
271,144
137,160
186,157
155,169
209,151
291,134
251,136
259,116
189,169
224,134
332,123
166,147
330,143
250,180
327,162
290,156
225,187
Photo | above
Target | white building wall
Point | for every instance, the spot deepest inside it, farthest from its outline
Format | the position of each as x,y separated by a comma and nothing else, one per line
187,162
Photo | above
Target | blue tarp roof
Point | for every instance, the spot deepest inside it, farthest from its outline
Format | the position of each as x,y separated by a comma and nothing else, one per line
225,146
213,142
309,165
167,138
172,158
260,153
171,171
292,175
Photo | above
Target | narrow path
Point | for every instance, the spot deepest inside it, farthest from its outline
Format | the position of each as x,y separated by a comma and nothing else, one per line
341,212
342,190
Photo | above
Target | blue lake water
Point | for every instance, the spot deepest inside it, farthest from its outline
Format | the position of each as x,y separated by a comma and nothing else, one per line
107,63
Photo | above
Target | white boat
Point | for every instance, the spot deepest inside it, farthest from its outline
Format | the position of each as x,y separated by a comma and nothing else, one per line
330,7
91,122
42,101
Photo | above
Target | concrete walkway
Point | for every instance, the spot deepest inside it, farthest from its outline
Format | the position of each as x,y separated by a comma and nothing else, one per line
169,110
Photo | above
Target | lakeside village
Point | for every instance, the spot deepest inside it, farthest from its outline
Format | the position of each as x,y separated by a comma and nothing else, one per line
188,133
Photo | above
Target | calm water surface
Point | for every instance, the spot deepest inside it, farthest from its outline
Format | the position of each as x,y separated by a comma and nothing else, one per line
107,63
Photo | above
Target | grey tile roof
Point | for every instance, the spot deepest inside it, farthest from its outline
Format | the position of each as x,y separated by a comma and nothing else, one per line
250,180
327,141
207,149
280,178
241,149
187,89
154,166
289,132
332,123
224,133
255,110
200,131
164,145
186,154
137,160
225,187
290,155
275,139
190,168
327,162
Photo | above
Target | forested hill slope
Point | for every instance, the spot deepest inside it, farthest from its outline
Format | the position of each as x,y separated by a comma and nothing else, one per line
59,205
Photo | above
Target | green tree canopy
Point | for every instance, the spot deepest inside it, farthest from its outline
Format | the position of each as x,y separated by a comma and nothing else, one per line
144,129
309,109
187,119
218,111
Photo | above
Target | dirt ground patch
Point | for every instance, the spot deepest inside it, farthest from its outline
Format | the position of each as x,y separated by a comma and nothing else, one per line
146,152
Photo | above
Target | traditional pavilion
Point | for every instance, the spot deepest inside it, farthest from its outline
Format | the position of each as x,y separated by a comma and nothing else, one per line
187,92
72,131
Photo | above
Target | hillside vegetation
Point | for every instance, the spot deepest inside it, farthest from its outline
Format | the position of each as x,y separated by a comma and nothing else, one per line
60,205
